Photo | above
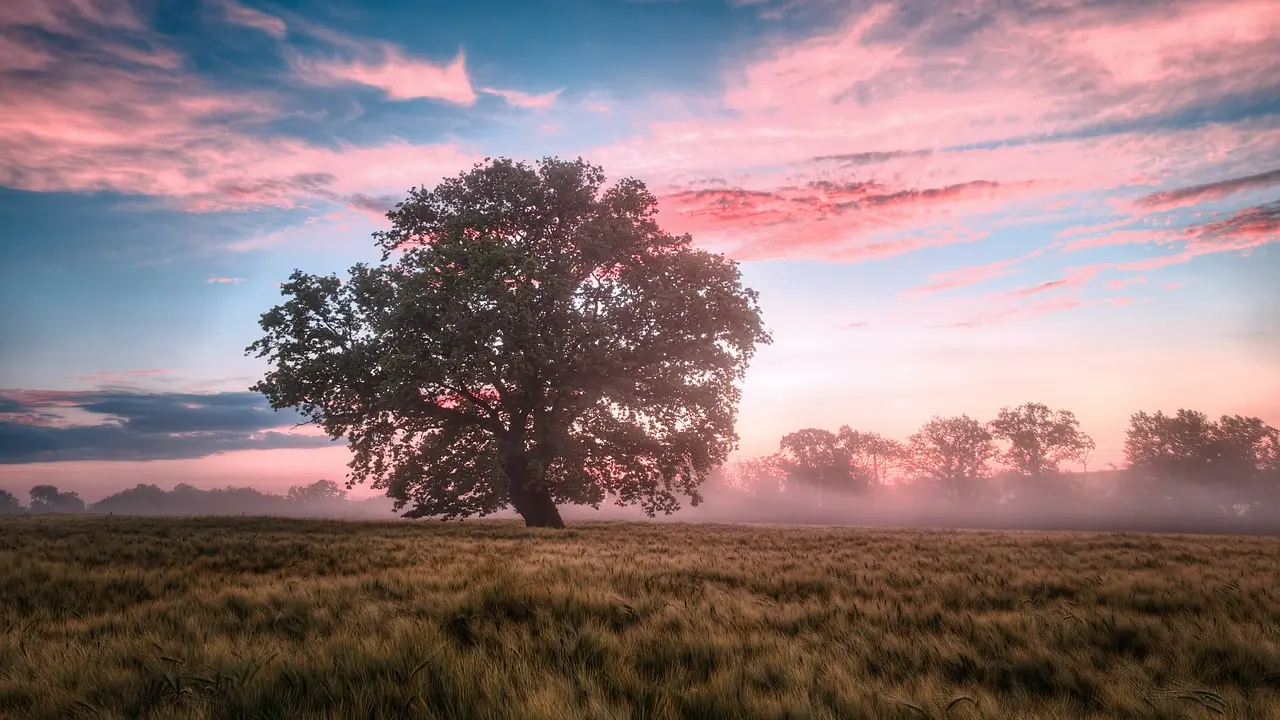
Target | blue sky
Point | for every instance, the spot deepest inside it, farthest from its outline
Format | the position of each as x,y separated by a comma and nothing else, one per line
945,211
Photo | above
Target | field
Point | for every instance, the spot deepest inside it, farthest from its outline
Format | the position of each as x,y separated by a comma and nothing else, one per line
113,617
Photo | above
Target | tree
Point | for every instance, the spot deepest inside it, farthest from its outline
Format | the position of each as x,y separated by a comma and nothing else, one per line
320,491
1236,454
10,504
873,452
47,499
1040,439
817,459
953,453
1180,448
538,339
759,476
1250,458
1249,447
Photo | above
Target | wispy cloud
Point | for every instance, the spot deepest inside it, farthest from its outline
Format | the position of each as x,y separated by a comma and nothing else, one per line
1187,196
129,117
1043,307
115,376
921,108
974,275
526,100
245,16
224,280
386,67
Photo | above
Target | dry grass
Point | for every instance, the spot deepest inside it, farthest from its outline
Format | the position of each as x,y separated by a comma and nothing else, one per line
105,617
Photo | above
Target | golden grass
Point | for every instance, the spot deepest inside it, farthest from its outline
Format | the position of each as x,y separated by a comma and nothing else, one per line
111,617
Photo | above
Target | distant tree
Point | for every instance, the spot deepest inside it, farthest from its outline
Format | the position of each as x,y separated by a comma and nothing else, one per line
1040,439
47,499
759,476
1249,447
538,340
1178,447
320,491
139,500
1250,459
1236,454
10,504
952,453
873,453
818,460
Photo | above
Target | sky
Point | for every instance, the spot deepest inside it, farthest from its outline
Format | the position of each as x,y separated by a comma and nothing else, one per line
946,207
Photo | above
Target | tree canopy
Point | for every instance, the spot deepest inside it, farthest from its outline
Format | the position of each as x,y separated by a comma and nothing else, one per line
873,452
537,339
1040,439
818,459
47,499
1237,453
10,504
953,453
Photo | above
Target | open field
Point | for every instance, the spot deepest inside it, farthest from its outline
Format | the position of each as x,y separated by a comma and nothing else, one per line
105,617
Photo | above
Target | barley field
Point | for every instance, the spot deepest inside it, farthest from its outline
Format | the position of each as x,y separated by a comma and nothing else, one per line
114,617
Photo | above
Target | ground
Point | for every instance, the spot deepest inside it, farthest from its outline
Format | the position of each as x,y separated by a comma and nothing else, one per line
113,617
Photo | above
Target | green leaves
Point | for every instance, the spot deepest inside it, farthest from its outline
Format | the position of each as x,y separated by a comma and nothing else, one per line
529,318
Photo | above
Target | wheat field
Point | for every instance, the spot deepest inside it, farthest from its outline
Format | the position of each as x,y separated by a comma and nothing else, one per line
114,617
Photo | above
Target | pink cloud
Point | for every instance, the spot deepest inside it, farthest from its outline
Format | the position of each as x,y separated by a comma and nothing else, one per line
1189,196
136,123
60,15
113,375
224,280
1043,307
1244,229
1120,283
827,219
127,118
1241,231
852,109
384,66
526,100
1073,278
975,275
797,100
244,16
1123,237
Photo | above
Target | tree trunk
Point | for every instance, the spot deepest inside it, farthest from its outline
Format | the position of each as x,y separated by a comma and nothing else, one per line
530,498
541,510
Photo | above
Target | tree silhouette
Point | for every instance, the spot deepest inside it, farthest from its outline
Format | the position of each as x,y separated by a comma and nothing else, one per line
817,459
47,499
1040,439
952,453
1237,454
320,491
873,452
538,340
1180,448
760,476
10,504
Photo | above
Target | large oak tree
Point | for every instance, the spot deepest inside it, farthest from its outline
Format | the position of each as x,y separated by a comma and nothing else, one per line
531,338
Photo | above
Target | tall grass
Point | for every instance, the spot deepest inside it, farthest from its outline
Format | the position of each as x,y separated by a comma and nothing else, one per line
109,617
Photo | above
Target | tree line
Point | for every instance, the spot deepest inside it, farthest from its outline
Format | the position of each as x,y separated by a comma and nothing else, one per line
1022,457
322,497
